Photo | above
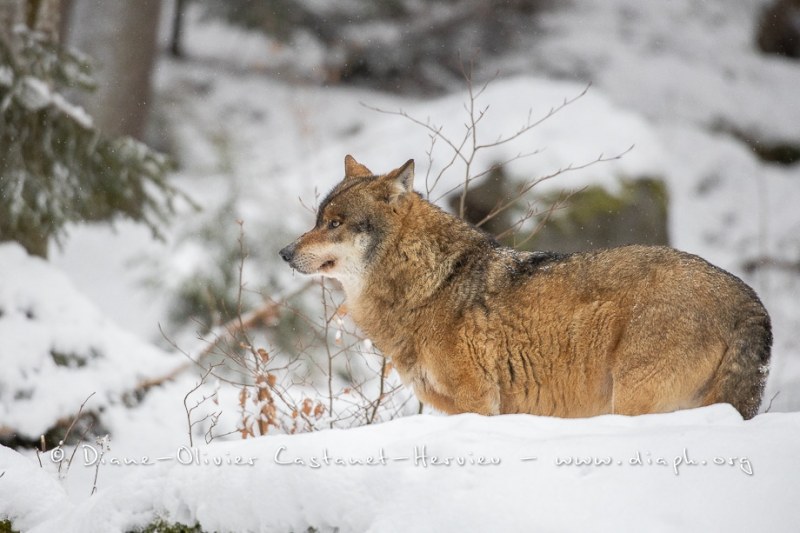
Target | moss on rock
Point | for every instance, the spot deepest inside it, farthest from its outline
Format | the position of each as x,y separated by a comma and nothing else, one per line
595,218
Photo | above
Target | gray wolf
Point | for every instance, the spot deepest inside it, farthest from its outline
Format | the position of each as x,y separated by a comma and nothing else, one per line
477,327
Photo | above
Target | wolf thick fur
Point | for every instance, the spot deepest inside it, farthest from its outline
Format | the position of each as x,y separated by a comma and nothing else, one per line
477,327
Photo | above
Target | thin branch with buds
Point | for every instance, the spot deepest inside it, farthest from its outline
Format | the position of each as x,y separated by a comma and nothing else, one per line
467,146
67,434
189,410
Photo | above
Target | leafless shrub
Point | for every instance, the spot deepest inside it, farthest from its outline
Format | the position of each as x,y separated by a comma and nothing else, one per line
278,392
467,147
57,454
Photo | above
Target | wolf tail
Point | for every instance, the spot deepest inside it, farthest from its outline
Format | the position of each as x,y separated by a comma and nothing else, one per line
744,369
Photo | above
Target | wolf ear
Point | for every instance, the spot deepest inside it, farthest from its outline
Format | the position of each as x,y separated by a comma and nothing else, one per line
354,169
402,178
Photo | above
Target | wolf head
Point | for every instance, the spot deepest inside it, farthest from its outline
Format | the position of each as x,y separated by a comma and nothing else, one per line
353,223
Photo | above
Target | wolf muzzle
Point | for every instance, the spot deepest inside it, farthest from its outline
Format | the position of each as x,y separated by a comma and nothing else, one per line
287,253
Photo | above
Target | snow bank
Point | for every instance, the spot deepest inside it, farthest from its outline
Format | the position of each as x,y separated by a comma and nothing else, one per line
28,496
57,348
677,61
701,470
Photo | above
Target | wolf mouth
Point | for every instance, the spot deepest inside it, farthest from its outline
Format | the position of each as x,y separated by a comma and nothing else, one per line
327,265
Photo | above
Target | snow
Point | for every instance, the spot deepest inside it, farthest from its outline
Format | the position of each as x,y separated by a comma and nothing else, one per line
29,495
698,470
671,78
678,61
6,76
34,94
57,348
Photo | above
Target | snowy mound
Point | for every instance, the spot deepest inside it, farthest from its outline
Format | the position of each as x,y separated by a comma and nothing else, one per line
699,470
57,349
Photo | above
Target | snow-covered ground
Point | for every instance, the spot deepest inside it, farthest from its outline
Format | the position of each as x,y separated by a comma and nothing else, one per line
667,78
699,470
57,348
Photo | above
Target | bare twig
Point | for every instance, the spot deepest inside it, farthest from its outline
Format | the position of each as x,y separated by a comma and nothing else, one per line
66,437
80,410
459,147
769,407
555,206
328,350
467,146
190,410
384,368
104,443
227,332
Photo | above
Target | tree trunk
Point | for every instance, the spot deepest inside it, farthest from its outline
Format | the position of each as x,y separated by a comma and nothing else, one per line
43,16
122,39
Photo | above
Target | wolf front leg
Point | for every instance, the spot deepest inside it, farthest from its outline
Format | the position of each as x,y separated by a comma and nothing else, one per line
459,392
487,403
474,392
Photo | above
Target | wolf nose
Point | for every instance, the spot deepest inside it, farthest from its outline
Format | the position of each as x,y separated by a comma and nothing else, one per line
287,253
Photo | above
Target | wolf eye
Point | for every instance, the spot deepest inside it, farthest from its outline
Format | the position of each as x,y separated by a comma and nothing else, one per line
334,224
